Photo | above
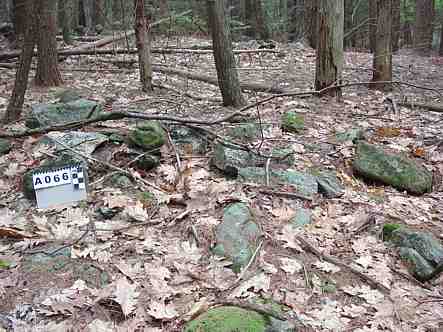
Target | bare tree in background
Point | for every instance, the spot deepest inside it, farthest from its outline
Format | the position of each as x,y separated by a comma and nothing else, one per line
329,62
311,21
14,110
47,66
424,16
372,24
224,57
143,45
396,22
382,59
441,38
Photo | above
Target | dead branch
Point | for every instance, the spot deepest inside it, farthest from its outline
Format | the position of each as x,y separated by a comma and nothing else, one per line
345,266
430,107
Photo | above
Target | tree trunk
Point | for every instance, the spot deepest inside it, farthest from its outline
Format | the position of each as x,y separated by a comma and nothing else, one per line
88,10
424,16
396,24
372,24
163,7
261,27
15,105
224,57
382,59
329,63
441,38
19,18
99,9
296,15
349,23
311,21
143,45
47,66
65,14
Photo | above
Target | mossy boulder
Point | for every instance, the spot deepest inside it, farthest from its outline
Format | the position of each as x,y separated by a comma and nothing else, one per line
43,115
148,136
417,265
5,146
237,235
399,171
292,122
147,162
62,161
228,319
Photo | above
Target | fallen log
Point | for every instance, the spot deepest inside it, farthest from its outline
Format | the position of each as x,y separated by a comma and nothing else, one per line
214,81
438,108
99,43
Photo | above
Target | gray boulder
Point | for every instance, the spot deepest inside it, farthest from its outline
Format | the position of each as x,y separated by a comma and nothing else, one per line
328,184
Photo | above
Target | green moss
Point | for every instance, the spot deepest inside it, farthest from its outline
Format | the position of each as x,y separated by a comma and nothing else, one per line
4,264
228,319
388,229
292,122
148,136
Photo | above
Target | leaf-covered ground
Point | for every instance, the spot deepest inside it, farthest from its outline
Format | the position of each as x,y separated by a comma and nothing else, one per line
157,253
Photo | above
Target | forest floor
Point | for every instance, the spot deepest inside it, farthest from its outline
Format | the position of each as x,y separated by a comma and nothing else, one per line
162,272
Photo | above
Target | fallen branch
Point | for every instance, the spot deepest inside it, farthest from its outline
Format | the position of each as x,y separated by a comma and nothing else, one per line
430,107
344,266
285,194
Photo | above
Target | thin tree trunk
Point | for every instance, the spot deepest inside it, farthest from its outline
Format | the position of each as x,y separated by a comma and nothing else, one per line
99,9
441,38
88,6
143,45
372,24
382,60
47,66
424,16
20,18
65,15
329,63
163,6
396,21
15,105
224,57
261,26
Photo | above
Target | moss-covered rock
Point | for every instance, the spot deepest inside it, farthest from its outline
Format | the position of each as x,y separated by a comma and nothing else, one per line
147,162
43,115
148,136
303,183
236,236
353,135
230,159
388,229
121,181
398,171
328,183
292,122
247,131
228,319
417,265
5,146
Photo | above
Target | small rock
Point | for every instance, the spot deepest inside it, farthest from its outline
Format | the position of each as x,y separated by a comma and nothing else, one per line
147,162
43,115
121,181
5,146
236,236
352,135
396,170
302,217
247,132
108,213
292,122
230,159
148,136
328,184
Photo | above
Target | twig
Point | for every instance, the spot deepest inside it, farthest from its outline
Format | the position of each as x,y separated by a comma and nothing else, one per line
285,194
240,277
345,266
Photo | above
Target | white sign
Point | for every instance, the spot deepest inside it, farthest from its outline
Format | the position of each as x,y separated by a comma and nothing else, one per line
60,186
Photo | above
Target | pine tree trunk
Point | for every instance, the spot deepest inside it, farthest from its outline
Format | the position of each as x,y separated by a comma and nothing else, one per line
15,105
329,63
424,16
382,59
224,57
47,67
143,45
372,24
65,15
396,22
311,21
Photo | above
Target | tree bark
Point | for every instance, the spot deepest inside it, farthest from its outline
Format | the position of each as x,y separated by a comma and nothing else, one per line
396,22
441,38
224,57
163,8
424,16
20,18
261,26
311,21
329,63
382,59
372,24
143,45
15,105
47,66
88,7
99,9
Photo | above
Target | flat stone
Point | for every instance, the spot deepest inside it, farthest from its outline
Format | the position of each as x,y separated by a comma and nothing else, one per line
328,184
84,142
236,236
304,184
399,171
230,159
44,115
